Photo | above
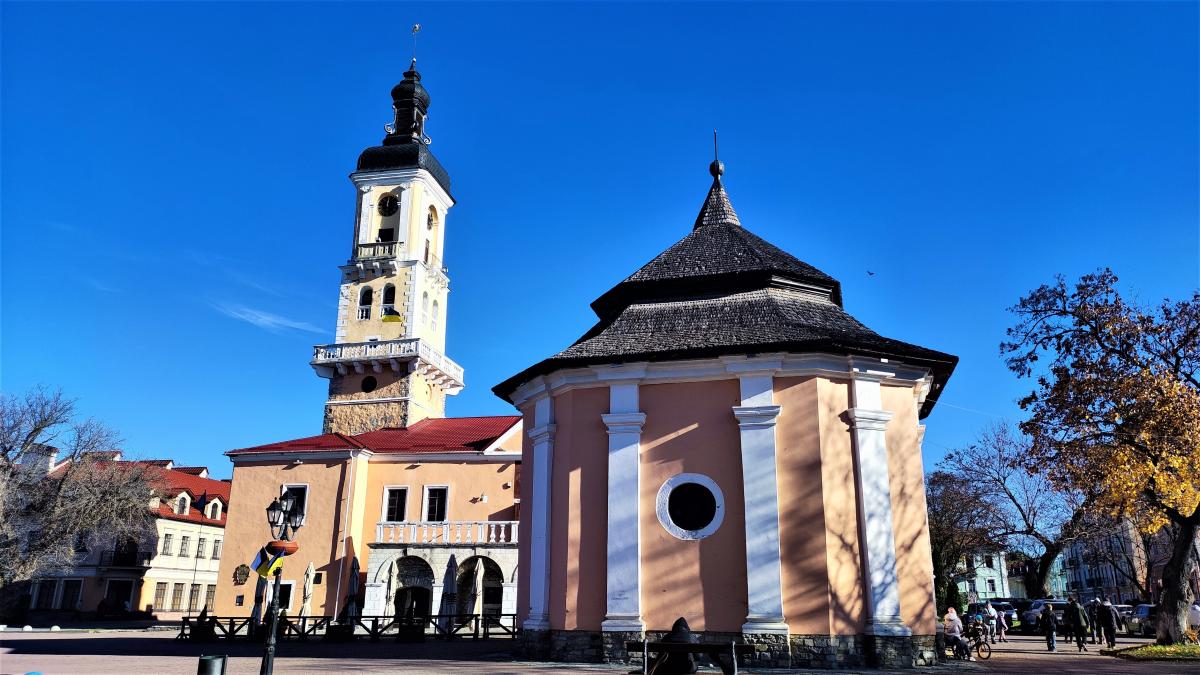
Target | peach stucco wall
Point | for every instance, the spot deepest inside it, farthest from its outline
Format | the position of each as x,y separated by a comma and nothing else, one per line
690,428
579,512
847,608
525,494
806,590
254,486
906,478
467,482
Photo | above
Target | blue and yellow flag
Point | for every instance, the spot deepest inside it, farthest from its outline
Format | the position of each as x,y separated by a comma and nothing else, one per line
266,564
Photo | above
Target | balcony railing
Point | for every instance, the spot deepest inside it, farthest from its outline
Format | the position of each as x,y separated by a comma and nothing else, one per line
125,558
382,350
379,249
451,532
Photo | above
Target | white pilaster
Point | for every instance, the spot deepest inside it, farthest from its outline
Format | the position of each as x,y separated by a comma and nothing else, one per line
764,583
542,436
624,422
868,420
508,598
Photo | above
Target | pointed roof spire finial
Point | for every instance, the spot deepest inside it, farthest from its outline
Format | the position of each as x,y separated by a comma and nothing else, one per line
716,168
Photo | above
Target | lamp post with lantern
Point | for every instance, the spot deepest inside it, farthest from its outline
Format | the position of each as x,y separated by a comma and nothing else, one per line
285,518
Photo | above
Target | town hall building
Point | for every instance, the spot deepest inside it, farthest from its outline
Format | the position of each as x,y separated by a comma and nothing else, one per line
728,445
422,507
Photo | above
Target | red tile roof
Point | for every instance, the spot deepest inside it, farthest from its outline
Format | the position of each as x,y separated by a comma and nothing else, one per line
170,483
194,470
450,434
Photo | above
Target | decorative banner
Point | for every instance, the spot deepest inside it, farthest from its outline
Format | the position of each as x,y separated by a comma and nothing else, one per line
266,564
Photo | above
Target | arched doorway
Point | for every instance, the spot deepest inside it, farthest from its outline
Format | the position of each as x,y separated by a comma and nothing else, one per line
414,597
480,586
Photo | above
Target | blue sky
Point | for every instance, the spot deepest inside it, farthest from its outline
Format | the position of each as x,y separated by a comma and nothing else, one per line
175,200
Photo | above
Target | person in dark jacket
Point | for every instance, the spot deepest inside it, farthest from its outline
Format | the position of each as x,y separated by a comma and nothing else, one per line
1075,616
1108,618
1049,625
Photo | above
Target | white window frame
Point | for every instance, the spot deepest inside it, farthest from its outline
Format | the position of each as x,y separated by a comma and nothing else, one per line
187,504
662,506
132,587
271,592
307,496
55,595
425,503
62,589
384,506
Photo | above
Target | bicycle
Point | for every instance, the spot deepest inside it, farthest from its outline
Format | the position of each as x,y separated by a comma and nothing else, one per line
977,637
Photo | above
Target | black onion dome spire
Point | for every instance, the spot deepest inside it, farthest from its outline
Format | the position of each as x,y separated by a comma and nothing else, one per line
410,101
406,146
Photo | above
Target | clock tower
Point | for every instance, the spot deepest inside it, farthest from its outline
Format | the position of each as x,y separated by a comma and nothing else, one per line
387,365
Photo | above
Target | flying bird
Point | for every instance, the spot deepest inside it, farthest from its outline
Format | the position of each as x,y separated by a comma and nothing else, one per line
870,273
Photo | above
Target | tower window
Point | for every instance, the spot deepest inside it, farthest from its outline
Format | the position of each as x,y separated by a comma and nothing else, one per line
369,383
364,303
388,308
431,221
424,307
433,317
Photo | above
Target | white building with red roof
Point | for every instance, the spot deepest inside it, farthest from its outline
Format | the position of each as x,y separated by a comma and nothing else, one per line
169,574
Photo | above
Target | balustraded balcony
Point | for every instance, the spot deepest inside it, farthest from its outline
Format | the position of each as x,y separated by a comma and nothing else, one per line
379,249
449,533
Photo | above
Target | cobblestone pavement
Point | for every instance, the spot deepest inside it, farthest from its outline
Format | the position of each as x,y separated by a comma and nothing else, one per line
158,653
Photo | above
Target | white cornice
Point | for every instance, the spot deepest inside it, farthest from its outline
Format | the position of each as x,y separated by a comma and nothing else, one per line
395,176
285,457
779,364
289,456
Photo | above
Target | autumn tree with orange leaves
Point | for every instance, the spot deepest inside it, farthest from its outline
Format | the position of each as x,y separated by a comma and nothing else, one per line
1117,407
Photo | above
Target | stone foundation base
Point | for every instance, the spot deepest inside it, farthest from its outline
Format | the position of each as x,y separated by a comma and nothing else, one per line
534,645
774,651
827,651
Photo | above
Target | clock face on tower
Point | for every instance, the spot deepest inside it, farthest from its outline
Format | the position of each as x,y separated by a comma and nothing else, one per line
389,205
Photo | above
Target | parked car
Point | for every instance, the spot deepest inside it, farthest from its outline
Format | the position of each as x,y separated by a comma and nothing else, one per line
999,605
1020,606
1029,620
1125,611
1142,621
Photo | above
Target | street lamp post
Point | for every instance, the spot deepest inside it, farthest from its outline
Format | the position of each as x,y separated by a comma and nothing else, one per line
284,517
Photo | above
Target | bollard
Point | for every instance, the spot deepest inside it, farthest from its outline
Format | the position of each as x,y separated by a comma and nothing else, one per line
212,665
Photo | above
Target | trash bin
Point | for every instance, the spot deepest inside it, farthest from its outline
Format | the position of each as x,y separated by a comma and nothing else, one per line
212,665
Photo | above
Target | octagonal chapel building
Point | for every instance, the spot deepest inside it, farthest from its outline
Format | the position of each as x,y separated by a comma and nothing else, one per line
728,445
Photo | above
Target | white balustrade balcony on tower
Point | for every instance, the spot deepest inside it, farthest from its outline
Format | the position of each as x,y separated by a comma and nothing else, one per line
448,533
377,354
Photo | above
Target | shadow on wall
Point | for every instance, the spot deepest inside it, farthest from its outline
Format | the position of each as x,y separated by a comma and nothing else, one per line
339,565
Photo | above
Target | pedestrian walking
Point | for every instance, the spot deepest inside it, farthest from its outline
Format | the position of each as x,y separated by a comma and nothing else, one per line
1093,614
1075,616
989,619
1108,618
1001,626
1049,624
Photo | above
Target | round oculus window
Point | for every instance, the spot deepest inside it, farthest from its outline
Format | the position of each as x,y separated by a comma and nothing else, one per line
369,384
388,205
690,506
